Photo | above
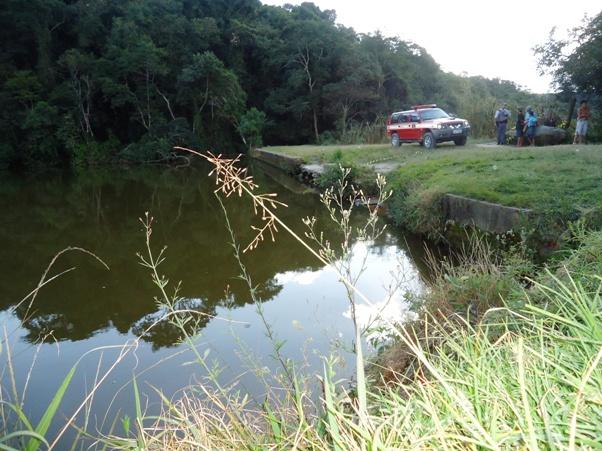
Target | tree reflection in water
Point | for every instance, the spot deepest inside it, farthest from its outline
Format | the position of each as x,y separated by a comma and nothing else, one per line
99,210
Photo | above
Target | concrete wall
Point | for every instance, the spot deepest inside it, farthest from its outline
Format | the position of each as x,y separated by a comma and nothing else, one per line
304,173
288,164
486,216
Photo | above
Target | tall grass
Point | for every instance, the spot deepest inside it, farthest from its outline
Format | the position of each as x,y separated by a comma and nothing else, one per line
15,426
364,132
523,378
517,379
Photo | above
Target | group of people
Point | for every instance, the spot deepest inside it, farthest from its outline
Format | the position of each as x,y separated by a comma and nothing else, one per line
526,125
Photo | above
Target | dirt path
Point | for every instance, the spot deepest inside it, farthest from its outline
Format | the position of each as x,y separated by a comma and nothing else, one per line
488,145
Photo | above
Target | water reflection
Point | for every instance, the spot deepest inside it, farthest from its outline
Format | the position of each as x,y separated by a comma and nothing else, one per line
99,210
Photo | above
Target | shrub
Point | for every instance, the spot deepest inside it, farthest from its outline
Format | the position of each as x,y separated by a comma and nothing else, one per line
148,149
419,211
251,127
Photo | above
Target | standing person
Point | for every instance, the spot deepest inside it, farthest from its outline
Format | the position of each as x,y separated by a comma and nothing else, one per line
520,125
530,126
582,118
501,122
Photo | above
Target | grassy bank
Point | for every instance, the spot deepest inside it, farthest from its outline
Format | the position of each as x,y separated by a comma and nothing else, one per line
526,377
559,183
525,374
357,154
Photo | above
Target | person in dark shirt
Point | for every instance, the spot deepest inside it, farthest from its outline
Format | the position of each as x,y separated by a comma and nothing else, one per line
520,124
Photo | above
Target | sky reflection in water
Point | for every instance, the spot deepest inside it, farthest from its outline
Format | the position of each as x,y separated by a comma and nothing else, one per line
303,302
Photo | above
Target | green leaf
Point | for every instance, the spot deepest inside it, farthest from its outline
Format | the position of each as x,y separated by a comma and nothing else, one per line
139,416
20,434
125,422
20,414
274,423
330,411
137,401
44,423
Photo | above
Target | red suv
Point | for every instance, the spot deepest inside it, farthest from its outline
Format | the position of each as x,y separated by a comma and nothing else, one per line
427,125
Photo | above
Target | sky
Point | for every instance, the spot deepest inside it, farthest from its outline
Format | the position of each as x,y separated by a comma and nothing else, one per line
492,39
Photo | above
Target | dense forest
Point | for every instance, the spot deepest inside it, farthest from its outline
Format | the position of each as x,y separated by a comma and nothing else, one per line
87,82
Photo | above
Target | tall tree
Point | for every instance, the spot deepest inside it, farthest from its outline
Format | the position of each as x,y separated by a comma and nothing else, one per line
211,88
81,68
132,67
575,63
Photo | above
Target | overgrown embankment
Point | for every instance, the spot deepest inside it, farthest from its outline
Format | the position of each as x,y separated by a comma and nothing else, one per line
557,184
523,377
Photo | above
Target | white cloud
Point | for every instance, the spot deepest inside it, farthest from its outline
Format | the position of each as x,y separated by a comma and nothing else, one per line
298,277
379,314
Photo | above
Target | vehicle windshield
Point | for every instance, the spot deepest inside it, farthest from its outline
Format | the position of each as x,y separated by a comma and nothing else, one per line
433,113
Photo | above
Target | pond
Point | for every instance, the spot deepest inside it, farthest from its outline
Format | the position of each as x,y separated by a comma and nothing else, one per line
87,313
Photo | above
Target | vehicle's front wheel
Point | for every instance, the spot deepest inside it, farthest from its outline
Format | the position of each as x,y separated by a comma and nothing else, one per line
428,140
395,140
460,141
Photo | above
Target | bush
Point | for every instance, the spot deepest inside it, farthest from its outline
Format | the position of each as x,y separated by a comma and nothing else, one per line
332,174
251,127
327,138
148,149
418,210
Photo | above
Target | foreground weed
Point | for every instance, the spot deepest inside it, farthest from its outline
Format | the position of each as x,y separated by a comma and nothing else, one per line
519,379
525,379
16,426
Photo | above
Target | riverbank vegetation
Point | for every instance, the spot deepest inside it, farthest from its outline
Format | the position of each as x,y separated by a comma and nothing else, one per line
521,369
560,184
125,81
527,377
502,355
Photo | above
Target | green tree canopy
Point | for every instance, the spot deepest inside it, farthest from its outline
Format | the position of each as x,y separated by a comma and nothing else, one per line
128,79
576,62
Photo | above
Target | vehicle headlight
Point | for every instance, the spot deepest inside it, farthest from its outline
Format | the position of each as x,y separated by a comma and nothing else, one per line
439,125
466,124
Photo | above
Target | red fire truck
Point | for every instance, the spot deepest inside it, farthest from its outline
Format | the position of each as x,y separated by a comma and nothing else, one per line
427,125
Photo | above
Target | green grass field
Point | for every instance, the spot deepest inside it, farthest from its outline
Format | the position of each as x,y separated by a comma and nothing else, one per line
565,177
359,154
537,178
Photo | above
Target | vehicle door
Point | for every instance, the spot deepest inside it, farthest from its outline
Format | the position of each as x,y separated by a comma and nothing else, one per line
414,132
405,125
393,126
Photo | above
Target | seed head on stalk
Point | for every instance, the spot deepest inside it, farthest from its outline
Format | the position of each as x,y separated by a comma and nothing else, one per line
230,179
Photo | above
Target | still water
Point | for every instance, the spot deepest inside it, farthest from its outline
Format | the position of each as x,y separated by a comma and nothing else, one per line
87,314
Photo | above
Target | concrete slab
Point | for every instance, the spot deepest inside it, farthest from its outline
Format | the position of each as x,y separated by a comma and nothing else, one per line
486,216
317,169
